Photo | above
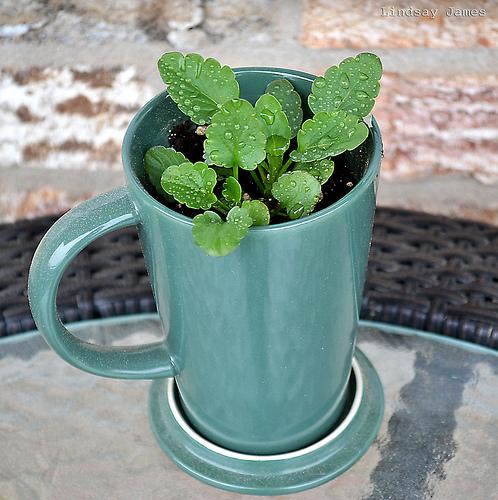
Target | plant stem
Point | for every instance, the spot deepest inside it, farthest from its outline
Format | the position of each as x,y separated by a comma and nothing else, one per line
222,205
236,172
284,168
275,162
257,181
264,178
263,175
219,208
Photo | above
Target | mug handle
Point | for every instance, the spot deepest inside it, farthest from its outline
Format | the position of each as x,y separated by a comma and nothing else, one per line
64,240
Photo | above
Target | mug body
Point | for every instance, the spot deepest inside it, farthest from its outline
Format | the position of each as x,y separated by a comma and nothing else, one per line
263,338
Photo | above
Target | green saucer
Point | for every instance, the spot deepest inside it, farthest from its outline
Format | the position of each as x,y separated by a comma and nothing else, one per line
271,474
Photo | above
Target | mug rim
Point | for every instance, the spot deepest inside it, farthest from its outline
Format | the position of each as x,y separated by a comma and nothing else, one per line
365,181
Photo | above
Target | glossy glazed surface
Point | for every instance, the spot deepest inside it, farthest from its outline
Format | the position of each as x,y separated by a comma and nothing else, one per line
274,475
65,239
261,341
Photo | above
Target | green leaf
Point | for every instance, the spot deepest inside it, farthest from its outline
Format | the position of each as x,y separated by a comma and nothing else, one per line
276,145
328,134
157,159
290,101
191,184
232,192
352,86
218,238
234,138
274,124
321,170
258,212
199,87
297,192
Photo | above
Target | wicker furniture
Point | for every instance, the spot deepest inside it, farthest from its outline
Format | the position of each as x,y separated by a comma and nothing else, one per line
426,272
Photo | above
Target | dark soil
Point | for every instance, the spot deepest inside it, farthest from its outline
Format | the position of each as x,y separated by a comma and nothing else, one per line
183,138
339,185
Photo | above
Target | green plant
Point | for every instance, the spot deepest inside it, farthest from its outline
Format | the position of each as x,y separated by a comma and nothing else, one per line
288,160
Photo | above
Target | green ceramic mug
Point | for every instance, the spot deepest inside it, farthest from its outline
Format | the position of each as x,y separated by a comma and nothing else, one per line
260,342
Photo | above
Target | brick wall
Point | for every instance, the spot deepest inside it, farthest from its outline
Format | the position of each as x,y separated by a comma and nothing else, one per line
73,73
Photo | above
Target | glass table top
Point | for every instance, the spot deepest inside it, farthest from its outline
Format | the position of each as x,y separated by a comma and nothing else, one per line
68,434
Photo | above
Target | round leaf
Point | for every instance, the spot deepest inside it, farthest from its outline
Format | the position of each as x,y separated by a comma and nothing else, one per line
191,184
234,138
352,86
199,87
328,134
290,101
218,238
321,170
273,120
258,212
232,192
297,192
239,217
157,160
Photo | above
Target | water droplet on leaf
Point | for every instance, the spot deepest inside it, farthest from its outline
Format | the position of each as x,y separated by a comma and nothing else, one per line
324,143
267,116
296,211
344,80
